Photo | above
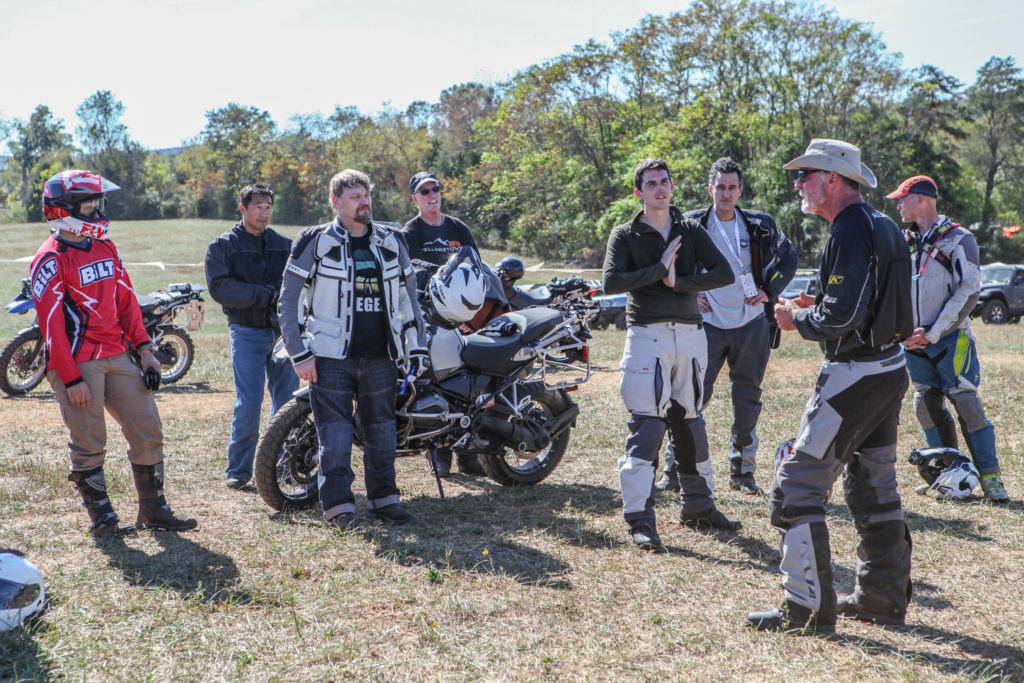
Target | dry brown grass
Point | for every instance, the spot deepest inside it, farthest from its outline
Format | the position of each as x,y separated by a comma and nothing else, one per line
494,584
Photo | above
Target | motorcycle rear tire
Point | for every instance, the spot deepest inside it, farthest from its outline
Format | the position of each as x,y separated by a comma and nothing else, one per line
509,467
285,467
22,363
177,340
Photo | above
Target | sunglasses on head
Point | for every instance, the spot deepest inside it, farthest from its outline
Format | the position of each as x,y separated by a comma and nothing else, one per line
430,190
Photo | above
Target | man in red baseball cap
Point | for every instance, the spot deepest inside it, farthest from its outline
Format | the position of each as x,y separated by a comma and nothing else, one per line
941,354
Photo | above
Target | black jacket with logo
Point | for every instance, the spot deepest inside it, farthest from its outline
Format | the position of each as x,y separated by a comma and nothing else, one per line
863,308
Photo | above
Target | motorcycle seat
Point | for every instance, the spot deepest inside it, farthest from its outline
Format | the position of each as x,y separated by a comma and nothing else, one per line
492,348
147,302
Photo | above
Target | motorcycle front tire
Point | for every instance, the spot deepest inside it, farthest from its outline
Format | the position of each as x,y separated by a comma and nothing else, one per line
22,363
286,464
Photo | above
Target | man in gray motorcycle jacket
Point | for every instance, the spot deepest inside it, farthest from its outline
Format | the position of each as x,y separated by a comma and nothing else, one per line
348,313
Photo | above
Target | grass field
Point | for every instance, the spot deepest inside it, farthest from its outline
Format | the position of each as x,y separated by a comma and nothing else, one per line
494,584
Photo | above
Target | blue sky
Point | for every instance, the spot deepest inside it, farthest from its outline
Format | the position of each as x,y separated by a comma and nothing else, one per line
170,62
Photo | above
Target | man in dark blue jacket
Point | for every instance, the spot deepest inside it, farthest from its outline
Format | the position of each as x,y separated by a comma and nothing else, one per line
738,319
244,267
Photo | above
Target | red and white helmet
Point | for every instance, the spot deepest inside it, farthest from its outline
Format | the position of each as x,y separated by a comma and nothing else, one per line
64,193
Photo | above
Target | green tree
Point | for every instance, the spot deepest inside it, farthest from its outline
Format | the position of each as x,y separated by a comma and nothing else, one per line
37,146
110,151
997,102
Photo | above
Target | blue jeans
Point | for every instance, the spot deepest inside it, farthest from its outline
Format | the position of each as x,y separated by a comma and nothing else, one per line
253,365
371,382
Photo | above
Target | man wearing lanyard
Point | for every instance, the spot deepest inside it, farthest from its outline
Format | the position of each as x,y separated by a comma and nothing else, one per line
738,319
941,354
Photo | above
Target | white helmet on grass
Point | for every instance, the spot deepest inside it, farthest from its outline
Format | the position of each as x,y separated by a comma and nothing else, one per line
22,593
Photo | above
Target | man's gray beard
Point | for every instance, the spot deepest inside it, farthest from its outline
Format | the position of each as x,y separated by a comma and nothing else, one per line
364,218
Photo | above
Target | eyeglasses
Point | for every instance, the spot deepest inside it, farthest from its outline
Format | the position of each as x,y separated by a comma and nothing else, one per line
436,189
803,173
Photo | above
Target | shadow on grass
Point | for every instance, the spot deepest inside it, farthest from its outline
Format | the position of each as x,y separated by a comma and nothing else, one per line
21,659
192,388
476,531
189,569
39,395
963,529
992,661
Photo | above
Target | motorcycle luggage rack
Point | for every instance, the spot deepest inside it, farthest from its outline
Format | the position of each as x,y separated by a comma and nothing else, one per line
562,357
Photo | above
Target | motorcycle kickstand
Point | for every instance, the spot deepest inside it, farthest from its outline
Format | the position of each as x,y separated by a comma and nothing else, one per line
432,459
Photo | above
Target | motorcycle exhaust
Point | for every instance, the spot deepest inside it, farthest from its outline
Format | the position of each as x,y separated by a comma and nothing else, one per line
525,436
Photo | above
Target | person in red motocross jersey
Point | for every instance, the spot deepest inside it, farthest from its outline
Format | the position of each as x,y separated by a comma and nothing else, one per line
90,320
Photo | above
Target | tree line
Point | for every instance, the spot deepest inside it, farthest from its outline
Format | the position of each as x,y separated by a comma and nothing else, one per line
541,164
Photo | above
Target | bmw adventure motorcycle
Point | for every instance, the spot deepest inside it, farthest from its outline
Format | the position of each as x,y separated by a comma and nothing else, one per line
501,393
23,363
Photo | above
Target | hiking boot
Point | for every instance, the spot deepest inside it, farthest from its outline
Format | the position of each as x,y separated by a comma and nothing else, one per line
346,521
645,536
992,485
744,483
709,519
392,514
154,512
854,606
469,464
790,618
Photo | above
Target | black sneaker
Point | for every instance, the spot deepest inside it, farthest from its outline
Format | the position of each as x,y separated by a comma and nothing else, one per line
646,537
709,519
392,514
744,483
236,484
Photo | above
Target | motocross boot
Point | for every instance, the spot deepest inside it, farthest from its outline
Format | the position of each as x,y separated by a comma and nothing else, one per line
154,512
92,486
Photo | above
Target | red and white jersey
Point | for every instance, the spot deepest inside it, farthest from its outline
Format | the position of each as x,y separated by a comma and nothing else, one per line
86,305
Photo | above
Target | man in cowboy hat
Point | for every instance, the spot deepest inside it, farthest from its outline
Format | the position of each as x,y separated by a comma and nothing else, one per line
941,355
861,313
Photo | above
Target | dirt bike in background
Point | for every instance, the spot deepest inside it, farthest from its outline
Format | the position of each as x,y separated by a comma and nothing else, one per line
23,362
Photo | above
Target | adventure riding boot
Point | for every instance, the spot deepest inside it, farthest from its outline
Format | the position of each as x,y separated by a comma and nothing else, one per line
154,512
883,586
92,486
810,603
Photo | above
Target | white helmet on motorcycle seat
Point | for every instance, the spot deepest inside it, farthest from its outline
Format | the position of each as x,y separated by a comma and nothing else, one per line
22,593
65,195
950,474
458,292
